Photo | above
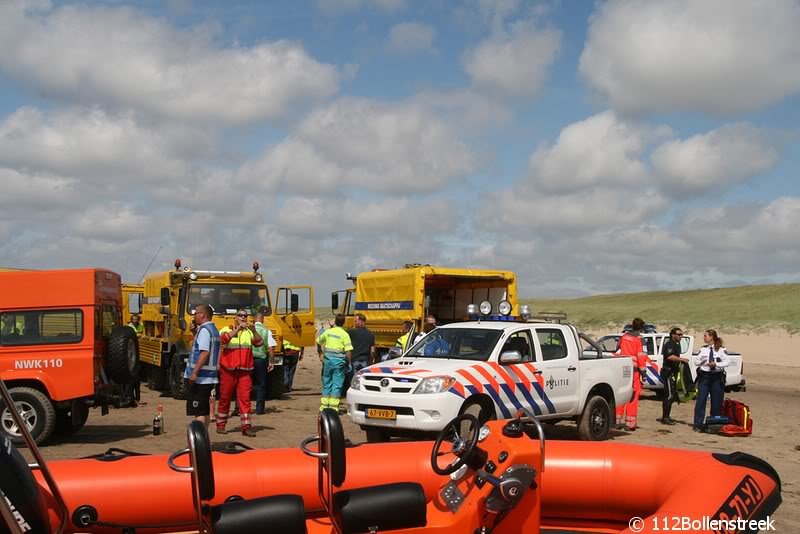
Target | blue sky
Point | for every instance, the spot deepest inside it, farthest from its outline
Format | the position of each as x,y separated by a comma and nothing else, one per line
591,147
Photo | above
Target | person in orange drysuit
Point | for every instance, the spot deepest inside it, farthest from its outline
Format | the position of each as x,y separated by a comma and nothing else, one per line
630,345
235,366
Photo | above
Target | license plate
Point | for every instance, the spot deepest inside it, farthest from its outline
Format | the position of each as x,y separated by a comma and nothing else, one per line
375,413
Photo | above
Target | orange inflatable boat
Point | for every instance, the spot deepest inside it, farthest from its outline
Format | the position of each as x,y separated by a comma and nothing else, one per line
500,478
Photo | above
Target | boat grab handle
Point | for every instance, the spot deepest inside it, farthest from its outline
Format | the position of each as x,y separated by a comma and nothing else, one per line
178,468
314,454
539,429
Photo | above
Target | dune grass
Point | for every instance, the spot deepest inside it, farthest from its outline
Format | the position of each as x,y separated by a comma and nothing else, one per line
731,309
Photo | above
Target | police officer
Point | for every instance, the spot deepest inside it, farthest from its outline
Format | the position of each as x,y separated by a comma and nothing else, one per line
671,351
337,349
711,361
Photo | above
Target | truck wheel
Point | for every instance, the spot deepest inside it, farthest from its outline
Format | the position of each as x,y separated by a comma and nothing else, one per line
275,387
481,410
595,421
376,435
178,386
65,426
37,412
122,355
157,377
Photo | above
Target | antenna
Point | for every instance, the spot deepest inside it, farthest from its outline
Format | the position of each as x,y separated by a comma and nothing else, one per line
150,265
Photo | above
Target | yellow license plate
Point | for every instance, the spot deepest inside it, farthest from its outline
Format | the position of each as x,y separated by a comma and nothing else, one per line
375,413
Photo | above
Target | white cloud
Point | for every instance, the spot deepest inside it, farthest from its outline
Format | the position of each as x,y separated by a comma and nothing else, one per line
602,150
715,56
411,37
729,155
365,218
123,57
95,145
374,146
513,63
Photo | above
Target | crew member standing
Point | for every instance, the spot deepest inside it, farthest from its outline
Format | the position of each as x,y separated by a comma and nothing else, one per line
363,341
136,324
263,358
202,369
711,361
292,355
236,364
402,341
671,352
630,345
337,348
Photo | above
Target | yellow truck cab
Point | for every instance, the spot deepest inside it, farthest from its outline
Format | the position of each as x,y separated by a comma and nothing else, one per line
388,297
170,299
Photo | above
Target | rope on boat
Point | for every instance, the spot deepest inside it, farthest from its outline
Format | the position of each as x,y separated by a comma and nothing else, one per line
113,454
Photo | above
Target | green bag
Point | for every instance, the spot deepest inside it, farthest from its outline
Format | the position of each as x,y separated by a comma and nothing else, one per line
684,383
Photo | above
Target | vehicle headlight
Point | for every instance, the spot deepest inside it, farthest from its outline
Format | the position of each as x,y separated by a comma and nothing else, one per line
435,384
356,383
504,307
525,310
472,309
485,307
192,276
257,277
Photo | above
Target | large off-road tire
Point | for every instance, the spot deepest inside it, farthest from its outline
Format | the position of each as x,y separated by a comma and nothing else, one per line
482,410
179,387
275,387
157,377
122,355
65,425
595,421
376,434
22,492
37,412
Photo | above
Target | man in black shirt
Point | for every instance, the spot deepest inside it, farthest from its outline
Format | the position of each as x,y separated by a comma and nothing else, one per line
671,351
363,348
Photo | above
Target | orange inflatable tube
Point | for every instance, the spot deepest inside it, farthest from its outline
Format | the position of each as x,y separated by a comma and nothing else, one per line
587,486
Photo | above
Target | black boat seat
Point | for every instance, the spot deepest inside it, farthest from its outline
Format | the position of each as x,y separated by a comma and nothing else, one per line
278,513
380,508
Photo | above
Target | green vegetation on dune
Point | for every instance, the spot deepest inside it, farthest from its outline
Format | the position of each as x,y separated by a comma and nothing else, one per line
743,308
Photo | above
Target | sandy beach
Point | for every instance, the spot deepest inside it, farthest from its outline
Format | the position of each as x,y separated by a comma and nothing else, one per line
773,391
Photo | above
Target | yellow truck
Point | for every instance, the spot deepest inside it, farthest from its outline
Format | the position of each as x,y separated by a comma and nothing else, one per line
169,302
388,297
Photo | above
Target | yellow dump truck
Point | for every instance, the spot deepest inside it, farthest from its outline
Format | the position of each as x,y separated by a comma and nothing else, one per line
169,302
388,297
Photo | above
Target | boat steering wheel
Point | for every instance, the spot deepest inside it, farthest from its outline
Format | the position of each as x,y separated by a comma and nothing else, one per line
462,446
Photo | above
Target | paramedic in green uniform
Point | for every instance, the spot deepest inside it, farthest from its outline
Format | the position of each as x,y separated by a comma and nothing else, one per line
337,348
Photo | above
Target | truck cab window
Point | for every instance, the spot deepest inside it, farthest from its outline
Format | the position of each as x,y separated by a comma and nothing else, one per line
552,344
520,342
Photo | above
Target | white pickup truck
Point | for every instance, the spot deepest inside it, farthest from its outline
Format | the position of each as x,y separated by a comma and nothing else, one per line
491,369
652,344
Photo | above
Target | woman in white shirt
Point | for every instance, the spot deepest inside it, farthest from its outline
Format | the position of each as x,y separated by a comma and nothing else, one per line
711,362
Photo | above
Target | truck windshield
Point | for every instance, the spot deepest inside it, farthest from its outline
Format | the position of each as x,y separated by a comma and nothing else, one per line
227,298
474,344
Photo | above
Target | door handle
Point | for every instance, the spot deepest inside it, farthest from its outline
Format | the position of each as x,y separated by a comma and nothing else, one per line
537,372
572,368
309,323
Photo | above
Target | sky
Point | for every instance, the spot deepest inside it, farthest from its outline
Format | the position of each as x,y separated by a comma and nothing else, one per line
616,146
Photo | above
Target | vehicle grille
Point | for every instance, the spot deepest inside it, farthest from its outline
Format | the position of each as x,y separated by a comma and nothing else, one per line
389,384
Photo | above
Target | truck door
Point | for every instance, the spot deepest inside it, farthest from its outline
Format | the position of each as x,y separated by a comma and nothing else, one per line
521,383
652,348
294,311
560,373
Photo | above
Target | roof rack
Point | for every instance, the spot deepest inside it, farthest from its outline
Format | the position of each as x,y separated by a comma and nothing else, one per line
551,317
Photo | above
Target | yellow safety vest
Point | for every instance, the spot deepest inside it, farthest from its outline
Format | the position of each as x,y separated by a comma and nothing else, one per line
336,339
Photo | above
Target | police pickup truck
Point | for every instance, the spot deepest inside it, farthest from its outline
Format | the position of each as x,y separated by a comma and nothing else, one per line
491,369
652,342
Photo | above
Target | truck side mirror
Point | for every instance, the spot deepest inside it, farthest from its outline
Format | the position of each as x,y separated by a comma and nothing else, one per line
165,296
511,356
295,302
335,301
